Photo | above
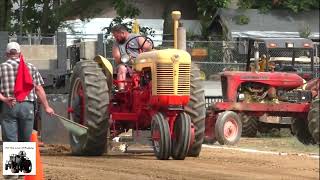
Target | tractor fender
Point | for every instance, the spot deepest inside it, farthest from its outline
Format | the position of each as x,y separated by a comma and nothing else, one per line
105,64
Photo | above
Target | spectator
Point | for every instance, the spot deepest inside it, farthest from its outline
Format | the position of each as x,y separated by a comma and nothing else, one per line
18,96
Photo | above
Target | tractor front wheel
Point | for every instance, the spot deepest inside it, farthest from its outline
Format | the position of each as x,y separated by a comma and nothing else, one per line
89,99
181,136
228,128
313,119
160,133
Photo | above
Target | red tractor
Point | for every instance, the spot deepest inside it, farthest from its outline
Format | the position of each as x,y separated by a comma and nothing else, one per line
247,96
163,94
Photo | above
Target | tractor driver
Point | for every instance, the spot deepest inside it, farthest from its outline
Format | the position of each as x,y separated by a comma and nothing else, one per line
122,36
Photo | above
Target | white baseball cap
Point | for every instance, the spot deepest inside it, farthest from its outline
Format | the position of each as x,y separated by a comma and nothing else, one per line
13,45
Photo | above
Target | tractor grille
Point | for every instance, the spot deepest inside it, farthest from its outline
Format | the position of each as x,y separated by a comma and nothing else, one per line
166,80
184,79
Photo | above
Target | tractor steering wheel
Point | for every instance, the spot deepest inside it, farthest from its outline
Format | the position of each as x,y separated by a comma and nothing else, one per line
133,47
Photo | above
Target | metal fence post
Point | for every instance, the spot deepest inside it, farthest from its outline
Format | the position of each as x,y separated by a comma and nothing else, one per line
100,50
4,39
62,50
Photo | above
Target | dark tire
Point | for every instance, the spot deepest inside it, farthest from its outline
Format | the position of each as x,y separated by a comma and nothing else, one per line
92,105
249,125
313,121
161,139
301,131
15,169
182,136
27,166
196,110
228,128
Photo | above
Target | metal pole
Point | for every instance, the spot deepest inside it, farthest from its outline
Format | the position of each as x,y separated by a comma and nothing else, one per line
176,15
182,39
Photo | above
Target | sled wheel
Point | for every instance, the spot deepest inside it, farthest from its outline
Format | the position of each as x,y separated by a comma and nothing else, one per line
228,128
181,136
161,139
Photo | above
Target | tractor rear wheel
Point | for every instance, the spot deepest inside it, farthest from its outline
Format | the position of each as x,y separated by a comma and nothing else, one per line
313,119
301,131
181,136
27,166
161,139
249,125
89,99
196,110
228,128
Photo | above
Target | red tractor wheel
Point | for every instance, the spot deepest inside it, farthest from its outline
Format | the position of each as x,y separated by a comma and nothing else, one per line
160,133
89,99
181,136
228,128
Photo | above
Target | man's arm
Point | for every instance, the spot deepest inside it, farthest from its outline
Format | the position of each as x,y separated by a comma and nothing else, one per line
43,99
116,54
146,46
10,101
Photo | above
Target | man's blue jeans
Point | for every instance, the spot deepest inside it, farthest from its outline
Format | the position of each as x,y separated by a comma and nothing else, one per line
17,122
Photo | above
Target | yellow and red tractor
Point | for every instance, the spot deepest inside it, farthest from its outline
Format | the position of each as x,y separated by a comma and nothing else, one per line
163,94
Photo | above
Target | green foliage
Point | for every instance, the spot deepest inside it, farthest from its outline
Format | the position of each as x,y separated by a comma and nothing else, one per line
206,10
46,16
208,7
300,5
293,5
5,14
305,30
242,19
125,9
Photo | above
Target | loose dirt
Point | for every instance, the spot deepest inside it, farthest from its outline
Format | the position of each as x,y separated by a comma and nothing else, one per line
212,164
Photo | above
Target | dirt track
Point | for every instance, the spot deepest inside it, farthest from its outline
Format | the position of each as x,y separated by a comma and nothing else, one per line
212,164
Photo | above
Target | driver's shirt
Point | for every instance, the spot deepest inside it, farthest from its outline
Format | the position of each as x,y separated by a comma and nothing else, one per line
134,44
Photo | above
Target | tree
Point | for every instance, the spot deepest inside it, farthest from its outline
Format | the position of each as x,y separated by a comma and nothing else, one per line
206,10
293,5
5,6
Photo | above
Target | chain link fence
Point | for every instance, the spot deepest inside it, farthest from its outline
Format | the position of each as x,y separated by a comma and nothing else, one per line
220,55
33,39
232,55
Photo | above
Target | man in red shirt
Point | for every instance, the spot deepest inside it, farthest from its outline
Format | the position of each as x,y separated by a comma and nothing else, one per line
17,111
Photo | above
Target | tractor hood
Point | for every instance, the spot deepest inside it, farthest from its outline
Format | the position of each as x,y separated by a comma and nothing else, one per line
275,79
167,56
